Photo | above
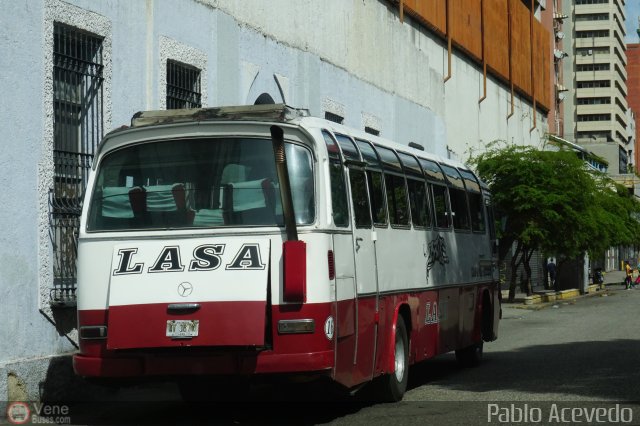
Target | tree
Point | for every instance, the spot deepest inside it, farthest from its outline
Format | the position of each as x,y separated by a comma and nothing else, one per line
551,201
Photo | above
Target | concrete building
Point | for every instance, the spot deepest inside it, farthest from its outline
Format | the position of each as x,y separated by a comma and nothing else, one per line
596,113
425,72
633,95
553,19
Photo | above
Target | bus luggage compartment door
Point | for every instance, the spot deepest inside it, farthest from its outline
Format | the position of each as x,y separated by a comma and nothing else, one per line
188,292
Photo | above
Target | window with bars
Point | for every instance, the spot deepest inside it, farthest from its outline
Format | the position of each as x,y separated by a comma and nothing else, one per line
333,117
77,130
183,86
372,131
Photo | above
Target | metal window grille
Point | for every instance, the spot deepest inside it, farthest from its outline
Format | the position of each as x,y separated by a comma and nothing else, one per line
183,86
333,117
77,130
372,131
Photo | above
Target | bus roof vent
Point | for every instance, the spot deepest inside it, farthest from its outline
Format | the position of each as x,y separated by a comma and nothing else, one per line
268,112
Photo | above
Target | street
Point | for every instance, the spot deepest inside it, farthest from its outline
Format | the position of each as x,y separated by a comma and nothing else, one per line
580,353
571,352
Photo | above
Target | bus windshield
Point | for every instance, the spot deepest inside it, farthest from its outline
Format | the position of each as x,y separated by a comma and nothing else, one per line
198,183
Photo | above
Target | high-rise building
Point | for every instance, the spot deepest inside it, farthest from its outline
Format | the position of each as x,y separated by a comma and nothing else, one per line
633,95
596,109
553,20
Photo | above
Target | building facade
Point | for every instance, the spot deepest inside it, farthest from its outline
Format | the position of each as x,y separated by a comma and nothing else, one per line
553,19
596,108
424,72
633,95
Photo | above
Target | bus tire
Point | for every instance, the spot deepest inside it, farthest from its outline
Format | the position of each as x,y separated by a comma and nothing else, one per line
391,387
471,356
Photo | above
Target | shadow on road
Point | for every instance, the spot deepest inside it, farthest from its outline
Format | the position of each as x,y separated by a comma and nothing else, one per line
602,370
159,402
598,370
273,404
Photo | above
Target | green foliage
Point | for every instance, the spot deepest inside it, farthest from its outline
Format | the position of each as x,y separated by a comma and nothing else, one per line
551,201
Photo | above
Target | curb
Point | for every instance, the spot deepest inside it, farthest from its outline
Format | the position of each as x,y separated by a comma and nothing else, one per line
542,300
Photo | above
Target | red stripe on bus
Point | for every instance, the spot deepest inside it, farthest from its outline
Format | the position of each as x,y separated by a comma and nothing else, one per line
455,324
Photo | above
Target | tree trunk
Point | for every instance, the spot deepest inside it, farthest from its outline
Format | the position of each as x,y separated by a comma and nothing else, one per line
527,253
514,271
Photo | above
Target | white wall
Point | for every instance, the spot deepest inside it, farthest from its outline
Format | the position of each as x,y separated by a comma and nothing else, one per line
402,61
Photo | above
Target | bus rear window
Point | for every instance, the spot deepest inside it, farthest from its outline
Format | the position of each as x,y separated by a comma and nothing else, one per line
198,183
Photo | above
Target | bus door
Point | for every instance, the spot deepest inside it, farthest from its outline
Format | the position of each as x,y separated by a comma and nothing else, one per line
364,254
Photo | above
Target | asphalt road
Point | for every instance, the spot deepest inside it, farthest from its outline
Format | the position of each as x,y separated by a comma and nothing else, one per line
580,355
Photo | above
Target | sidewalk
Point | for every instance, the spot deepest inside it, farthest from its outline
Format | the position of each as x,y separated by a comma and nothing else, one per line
541,297
614,278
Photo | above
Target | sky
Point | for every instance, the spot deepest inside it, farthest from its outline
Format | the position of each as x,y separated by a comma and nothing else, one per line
633,11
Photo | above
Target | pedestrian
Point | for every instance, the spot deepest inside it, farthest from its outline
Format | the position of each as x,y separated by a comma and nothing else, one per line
551,269
598,277
629,273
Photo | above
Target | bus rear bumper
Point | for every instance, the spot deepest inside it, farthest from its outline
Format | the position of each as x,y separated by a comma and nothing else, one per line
140,365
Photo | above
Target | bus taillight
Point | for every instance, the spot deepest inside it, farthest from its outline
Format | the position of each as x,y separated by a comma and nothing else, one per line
332,265
295,271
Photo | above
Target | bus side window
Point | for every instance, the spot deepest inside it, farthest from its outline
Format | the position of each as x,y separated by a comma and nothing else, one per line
492,226
376,195
416,187
477,212
338,194
340,209
375,181
418,202
476,204
397,199
360,198
457,199
430,213
459,209
441,205
394,181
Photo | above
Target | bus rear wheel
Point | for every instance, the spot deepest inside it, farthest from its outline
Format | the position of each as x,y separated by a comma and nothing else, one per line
391,387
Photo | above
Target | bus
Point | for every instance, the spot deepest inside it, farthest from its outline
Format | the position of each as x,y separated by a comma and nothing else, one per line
258,240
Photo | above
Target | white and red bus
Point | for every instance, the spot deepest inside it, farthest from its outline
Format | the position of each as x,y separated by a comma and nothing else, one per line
257,240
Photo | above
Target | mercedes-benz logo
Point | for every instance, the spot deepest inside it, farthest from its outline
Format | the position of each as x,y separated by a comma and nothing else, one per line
185,289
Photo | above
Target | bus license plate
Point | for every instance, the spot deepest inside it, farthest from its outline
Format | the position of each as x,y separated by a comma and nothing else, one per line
182,328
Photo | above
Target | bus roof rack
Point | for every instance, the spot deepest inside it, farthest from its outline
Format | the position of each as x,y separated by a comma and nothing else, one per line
269,112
